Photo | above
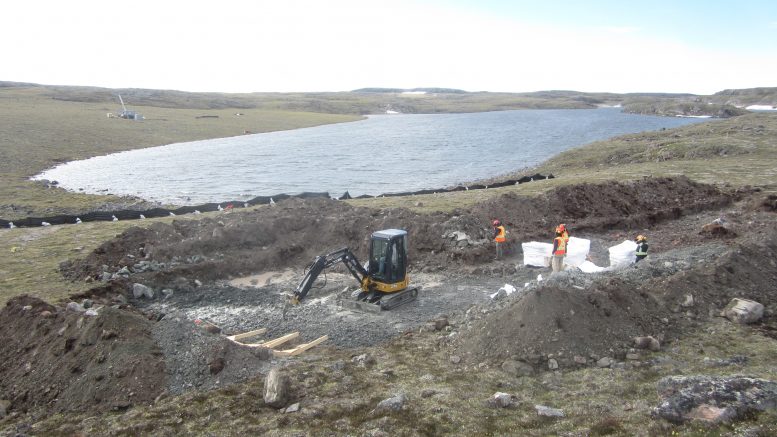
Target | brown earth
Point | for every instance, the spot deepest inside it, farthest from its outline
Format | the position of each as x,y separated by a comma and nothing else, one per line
112,360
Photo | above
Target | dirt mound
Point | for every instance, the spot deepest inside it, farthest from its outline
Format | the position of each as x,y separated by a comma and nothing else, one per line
65,360
292,233
562,320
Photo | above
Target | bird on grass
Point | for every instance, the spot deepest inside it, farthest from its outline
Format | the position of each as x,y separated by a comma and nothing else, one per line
11,225
114,218
172,214
78,220
45,224
142,216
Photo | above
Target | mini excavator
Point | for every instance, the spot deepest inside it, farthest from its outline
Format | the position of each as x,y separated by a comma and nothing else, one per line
383,281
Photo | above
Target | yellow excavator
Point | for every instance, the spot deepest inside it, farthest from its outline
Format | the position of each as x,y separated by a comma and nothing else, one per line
383,281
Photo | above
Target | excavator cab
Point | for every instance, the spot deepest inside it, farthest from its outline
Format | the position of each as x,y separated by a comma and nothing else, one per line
383,280
388,260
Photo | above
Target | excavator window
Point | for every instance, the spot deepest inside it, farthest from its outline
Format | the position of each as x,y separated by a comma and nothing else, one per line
378,266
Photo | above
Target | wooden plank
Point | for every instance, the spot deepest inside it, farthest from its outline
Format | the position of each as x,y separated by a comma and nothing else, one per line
301,348
280,340
244,335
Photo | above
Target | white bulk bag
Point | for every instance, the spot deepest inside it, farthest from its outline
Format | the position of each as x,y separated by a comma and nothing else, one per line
535,253
577,251
623,254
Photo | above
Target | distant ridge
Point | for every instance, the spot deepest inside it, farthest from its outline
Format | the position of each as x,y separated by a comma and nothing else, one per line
411,90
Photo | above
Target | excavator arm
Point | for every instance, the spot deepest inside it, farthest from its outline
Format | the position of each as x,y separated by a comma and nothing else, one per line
322,262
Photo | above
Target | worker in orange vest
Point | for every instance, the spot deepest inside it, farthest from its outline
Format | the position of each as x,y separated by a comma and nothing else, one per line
499,237
559,251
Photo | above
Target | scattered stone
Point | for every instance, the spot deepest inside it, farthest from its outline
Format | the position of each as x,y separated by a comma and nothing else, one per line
75,307
391,404
632,356
580,360
167,293
87,303
91,312
743,311
714,399
441,323
542,410
455,359
688,302
46,314
198,283
140,290
604,362
552,364
293,408
26,307
108,334
276,389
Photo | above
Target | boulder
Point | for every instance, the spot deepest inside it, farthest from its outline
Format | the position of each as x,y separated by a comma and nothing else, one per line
743,311
647,342
394,403
542,410
517,368
140,290
604,362
276,389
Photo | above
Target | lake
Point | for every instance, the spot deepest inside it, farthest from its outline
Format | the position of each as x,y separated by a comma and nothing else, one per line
382,154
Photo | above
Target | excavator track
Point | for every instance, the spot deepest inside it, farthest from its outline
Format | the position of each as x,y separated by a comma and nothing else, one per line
376,302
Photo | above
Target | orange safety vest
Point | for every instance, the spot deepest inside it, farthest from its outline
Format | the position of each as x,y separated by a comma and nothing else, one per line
561,249
500,237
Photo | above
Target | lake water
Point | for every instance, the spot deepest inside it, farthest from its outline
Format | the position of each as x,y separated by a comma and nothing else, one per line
382,154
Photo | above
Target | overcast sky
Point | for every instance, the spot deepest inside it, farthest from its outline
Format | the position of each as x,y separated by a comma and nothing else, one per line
691,46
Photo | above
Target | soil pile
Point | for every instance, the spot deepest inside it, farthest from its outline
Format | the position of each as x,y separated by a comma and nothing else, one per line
66,360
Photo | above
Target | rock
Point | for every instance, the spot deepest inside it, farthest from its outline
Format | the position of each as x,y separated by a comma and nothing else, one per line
542,410
5,405
552,364
26,307
293,408
198,283
580,360
743,311
140,290
75,307
46,314
632,357
108,334
91,312
455,359
391,404
441,323
124,271
167,293
688,302
714,399
501,400
276,389
604,362
106,276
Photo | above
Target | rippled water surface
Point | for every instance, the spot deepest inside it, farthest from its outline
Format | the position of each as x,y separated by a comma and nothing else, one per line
385,153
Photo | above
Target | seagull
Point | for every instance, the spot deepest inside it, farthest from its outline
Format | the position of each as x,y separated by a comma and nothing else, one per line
246,205
78,220
172,214
113,217
220,208
11,225
197,212
272,202
45,224
142,216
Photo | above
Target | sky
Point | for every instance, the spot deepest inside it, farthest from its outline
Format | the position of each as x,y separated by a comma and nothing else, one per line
699,47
